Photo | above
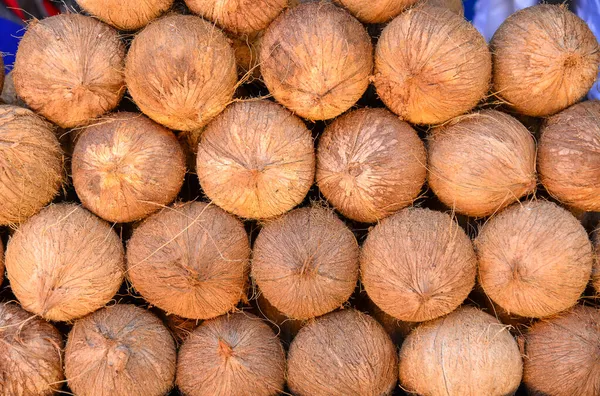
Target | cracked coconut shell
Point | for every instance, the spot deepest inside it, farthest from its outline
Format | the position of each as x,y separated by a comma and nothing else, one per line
181,71
316,60
545,59
64,263
535,259
120,350
232,355
431,65
481,163
126,15
69,68
126,167
375,11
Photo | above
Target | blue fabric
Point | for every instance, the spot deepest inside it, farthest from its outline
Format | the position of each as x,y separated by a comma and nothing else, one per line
10,34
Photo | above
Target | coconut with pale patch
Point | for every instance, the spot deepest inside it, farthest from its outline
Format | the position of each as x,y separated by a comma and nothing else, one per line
120,350
316,60
535,259
181,71
126,15
69,68
375,11
545,59
64,263
431,65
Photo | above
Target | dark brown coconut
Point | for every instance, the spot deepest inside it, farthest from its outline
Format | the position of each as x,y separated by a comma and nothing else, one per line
232,355
181,71
535,259
316,60
127,167
31,351
455,6
545,59
561,354
69,68
418,265
431,65
190,259
375,11
465,353
481,163
126,15
64,263
120,350
256,160
370,164
305,263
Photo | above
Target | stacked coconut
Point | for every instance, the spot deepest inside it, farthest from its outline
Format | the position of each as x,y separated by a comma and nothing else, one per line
253,198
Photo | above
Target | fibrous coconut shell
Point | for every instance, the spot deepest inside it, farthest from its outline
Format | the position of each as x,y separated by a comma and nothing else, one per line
247,49
126,15
375,11
455,6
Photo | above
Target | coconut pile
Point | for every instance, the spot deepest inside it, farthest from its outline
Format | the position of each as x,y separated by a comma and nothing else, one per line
310,198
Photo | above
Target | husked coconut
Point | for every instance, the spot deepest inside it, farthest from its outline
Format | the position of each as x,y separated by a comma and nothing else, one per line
126,15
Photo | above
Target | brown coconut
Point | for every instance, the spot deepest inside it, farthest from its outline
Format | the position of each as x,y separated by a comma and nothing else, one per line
127,167
190,260
455,6
256,160
418,265
561,354
431,65
181,71
120,350
246,49
31,351
535,259
232,355
305,263
342,353
481,163
126,15
375,11
370,164
545,59
69,68
467,352
64,263
180,328
316,60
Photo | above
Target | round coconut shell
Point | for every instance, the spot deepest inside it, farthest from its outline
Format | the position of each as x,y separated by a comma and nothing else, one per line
449,81
316,60
232,355
127,167
455,6
418,265
375,11
535,259
561,354
465,353
305,263
370,164
120,350
481,163
64,263
126,15
256,160
545,59
569,156
181,71
31,351
190,260
69,68
31,160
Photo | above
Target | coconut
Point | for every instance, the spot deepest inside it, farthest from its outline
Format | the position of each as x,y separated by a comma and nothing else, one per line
305,263
234,354
256,160
465,353
247,48
32,164
535,259
316,60
64,263
545,59
370,164
31,351
397,330
455,6
375,11
448,81
69,68
190,260
126,15
562,354
481,163
180,328
120,350
127,167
